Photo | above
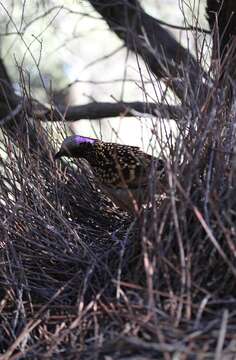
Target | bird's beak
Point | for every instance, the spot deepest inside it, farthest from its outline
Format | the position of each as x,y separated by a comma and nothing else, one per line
58,155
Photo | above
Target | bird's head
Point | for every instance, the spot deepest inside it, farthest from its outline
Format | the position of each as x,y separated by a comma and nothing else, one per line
76,146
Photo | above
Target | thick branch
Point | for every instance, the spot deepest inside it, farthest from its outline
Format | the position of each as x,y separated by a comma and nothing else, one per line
142,33
222,17
27,135
94,111
100,110
222,20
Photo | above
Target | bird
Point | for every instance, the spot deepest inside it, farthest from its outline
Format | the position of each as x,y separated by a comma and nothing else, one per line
122,171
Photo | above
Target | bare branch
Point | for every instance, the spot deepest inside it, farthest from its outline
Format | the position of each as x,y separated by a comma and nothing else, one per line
142,34
222,21
100,110
14,119
93,111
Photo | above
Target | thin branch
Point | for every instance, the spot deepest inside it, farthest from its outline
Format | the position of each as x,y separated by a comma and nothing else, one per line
185,28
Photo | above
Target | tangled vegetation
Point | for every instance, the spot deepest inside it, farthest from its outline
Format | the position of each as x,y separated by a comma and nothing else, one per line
82,279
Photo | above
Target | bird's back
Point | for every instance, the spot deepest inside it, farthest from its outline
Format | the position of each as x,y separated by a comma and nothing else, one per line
122,166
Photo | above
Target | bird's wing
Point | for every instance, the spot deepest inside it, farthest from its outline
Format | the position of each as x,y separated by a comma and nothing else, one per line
122,166
131,165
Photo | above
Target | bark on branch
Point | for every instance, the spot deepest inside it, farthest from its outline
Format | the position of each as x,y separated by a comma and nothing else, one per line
15,121
222,21
143,34
100,110
94,111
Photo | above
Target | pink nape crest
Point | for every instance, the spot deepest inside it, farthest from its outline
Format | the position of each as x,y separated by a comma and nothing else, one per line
78,139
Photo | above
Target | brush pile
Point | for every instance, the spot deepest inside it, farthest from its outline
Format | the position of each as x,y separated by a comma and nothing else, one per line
80,279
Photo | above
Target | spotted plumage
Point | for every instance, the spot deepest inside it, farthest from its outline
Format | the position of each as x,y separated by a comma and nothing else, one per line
116,166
